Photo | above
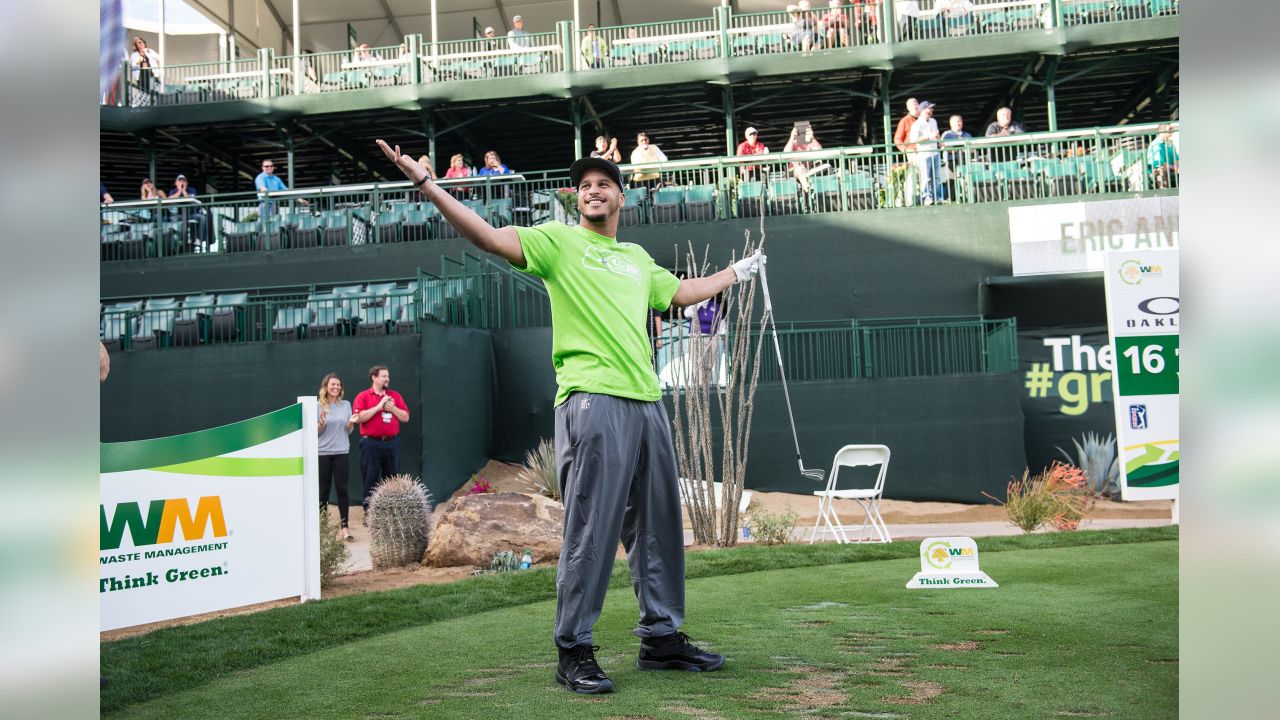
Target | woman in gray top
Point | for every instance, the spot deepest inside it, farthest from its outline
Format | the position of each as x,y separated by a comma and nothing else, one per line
335,425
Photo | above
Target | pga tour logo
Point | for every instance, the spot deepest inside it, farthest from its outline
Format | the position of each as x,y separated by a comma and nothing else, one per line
1138,417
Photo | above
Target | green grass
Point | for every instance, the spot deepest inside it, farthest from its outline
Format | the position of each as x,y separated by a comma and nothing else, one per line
480,647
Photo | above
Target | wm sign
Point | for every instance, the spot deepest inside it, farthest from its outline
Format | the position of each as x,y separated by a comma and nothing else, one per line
162,520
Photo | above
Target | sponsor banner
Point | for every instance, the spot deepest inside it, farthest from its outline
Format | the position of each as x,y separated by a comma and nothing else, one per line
1142,314
1067,393
948,563
1075,237
209,520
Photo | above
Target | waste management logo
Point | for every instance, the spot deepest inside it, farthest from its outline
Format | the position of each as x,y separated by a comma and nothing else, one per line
163,519
949,562
1133,272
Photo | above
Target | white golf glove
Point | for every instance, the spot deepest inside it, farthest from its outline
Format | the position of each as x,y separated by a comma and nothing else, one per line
748,266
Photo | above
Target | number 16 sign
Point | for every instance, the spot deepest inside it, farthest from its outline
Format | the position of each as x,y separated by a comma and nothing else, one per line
1142,317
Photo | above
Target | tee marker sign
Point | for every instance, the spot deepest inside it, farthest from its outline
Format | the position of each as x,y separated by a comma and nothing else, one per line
949,562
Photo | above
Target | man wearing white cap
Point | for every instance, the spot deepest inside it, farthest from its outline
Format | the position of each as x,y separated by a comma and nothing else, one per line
517,37
924,136
751,146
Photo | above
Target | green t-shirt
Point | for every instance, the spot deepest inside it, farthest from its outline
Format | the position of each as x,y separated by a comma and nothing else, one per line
601,291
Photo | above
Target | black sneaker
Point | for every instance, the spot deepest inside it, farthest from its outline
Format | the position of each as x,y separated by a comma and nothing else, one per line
675,652
579,672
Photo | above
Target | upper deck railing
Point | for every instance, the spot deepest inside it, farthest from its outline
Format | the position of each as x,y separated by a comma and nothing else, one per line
723,35
1033,166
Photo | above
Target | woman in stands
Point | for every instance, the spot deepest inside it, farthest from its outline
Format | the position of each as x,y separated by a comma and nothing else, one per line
335,425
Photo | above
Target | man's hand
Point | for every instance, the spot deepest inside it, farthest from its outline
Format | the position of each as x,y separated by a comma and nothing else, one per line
407,165
748,266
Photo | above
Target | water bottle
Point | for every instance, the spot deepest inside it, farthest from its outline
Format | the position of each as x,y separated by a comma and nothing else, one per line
526,562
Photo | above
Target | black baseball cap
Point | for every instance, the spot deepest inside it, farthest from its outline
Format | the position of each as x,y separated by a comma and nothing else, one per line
582,165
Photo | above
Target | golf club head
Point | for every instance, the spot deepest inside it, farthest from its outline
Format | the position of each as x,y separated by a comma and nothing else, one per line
814,474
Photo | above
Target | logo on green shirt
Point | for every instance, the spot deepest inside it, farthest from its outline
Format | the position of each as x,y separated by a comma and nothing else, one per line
598,258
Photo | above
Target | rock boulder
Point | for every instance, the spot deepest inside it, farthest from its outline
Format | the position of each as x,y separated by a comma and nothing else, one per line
474,527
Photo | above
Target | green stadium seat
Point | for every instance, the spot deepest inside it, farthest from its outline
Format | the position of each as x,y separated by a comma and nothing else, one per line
325,312
500,212
744,45
862,190
304,231
405,319
335,228
995,21
192,323
635,206
349,305
706,48
139,243
826,191
620,56
1164,7
644,53
700,203
388,224
375,321
290,323
155,324
1023,18
118,324
771,43
384,75
228,317
531,63
505,65
1019,183
979,182
1061,177
242,237
784,197
750,198
666,204
678,51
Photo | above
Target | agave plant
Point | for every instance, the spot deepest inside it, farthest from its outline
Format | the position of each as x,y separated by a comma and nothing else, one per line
540,469
1097,457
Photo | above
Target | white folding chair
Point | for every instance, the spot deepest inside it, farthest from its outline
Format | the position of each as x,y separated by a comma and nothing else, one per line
868,498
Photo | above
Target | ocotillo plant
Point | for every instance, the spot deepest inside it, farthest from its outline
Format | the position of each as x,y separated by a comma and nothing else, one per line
399,512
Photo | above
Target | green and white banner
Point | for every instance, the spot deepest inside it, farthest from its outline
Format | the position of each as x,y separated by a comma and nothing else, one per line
210,520
1074,237
1142,315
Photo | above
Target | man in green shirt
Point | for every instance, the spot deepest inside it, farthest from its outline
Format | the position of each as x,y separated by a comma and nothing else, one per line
613,442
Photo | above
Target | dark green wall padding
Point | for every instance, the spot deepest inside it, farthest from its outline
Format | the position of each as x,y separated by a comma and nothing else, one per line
476,394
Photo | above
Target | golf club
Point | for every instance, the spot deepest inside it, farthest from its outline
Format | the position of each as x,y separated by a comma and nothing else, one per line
811,473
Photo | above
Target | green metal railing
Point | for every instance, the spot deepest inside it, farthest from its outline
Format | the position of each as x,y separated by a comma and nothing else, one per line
1035,166
568,49
861,349
471,292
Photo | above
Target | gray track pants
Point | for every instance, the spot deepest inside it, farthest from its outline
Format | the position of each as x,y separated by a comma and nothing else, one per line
617,474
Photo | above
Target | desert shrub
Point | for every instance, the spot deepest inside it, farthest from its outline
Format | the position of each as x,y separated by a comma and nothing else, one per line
503,561
540,469
399,512
772,528
333,549
1058,496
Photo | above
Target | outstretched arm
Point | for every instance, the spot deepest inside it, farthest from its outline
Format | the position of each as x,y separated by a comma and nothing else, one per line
696,289
503,242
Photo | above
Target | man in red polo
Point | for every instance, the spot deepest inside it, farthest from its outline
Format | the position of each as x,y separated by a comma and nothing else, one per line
379,411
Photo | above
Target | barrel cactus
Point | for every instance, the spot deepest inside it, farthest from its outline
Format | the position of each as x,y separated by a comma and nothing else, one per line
399,510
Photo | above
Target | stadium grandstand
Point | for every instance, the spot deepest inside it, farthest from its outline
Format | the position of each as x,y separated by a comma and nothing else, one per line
907,300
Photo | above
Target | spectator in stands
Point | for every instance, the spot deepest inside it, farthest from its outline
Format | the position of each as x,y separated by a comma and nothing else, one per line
493,165
751,146
149,191
607,149
195,220
645,153
834,26
457,167
517,37
428,165
379,411
1004,124
802,26
104,197
141,57
363,54
490,40
267,180
904,125
953,159
595,51
797,144
901,141
924,136
1162,159
334,427
706,342
866,20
